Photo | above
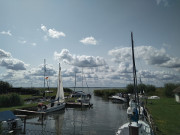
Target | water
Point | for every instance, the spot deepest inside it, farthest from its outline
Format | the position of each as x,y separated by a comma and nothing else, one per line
103,119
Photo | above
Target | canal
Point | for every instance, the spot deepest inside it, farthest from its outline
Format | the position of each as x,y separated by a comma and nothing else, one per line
104,118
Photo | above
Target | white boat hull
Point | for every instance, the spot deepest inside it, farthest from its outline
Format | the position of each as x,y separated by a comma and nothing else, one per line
143,128
56,107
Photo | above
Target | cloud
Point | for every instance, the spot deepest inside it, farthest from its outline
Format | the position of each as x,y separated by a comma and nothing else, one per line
43,28
55,34
165,2
6,33
6,60
89,40
4,54
13,64
149,54
22,41
33,44
79,61
51,33
39,71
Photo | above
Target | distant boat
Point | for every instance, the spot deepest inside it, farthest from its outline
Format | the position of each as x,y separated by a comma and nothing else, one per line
58,103
119,98
83,98
135,126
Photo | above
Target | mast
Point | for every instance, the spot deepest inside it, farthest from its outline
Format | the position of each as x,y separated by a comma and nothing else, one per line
74,81
82,79
134,72
44,72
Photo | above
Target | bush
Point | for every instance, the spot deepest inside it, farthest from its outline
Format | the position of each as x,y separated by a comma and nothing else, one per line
130,88
141,87
11,100
67,90
108,92
169,87
150,88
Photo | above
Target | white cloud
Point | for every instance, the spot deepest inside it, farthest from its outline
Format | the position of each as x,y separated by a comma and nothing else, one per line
51,33
89,40
22,41
6,33
39,71
4,54
33,44
80,61
164,2
55,34
6,60
149,54
43,28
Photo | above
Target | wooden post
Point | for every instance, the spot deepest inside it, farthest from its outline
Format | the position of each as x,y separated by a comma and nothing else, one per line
24,125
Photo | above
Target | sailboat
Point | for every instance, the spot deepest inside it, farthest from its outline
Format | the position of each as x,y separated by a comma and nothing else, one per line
58,103
135,126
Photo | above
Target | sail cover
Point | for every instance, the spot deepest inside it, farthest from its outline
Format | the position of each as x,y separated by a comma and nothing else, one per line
60,91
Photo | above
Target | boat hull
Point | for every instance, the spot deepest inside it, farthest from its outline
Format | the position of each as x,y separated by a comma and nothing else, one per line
54,108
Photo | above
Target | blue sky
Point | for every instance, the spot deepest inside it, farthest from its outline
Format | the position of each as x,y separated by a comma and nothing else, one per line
93,34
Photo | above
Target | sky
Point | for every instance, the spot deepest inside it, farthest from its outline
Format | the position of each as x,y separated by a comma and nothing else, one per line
89,38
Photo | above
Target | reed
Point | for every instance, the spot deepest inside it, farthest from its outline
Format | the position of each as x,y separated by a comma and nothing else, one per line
9,100
108,92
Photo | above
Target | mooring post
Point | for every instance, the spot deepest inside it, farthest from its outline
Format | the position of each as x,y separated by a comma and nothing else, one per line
24,125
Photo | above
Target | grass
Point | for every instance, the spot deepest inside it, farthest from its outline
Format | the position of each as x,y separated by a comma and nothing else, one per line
166,115
18,107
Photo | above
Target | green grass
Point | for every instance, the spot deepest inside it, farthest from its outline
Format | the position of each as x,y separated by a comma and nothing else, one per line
166,115
18,107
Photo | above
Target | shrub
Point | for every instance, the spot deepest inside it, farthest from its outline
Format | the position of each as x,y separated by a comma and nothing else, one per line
108,92
150,88
141,87
130,88
11,100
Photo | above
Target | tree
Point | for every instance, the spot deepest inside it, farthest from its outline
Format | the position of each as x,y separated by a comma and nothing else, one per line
4,87
130,88
150,88
141,87
169,87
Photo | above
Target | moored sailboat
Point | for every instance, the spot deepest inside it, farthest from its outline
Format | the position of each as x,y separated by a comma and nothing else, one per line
135,126
58,103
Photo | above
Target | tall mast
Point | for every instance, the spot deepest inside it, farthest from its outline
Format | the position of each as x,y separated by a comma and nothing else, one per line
134,66
82,79
74,81
134,71
44,72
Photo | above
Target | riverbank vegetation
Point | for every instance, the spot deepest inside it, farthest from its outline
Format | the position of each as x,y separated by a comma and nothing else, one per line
108,92
9,100
12,98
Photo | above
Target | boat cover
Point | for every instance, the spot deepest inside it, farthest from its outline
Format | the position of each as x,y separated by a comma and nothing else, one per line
7,115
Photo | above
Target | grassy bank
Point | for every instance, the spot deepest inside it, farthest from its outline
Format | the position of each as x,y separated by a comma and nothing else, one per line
108,92
166,115
17,107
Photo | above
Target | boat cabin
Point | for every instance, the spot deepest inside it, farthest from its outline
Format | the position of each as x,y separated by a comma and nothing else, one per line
177,94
